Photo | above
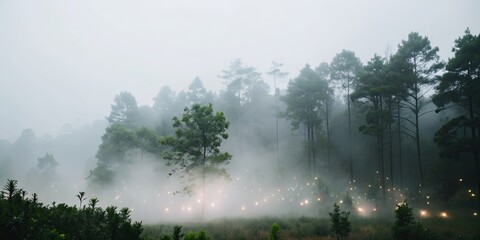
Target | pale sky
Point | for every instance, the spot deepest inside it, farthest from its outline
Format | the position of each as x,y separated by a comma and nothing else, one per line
63,61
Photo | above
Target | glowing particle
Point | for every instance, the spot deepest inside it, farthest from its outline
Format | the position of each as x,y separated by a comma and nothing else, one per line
474,214
318,199
341,201
166,209
374,209
256,203
306,201
473,194
423,213
360,209
461,180
443,214
469,190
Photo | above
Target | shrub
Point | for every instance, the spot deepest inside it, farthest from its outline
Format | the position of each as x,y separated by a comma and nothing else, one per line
406,228
341,226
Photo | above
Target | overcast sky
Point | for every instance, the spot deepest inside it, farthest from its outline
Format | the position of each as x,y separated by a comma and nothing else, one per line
63,61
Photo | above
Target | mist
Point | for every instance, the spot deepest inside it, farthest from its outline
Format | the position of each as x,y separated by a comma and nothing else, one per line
88,91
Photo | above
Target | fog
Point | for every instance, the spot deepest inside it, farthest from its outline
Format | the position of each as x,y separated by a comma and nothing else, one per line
56,53
62,64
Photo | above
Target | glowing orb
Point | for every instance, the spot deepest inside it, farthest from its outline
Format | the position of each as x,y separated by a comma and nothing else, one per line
443,214
423,213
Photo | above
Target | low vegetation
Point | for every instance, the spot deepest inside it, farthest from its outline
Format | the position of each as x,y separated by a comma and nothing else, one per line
23,217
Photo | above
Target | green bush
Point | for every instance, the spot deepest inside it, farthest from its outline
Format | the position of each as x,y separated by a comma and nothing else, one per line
26,218
406,228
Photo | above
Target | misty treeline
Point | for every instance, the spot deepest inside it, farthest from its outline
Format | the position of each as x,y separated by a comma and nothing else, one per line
407,120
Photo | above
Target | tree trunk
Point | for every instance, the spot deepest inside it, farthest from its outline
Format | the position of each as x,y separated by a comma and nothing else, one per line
382,160
400,160
349,134
476,155
327,109
390,150
417,136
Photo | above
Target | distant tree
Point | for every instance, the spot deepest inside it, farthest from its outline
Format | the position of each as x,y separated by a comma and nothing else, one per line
195,147
324,71
119,144
417,62
81,197
198,94
276,73
345,67
341,226
124,110
242,80
47,163
304,99
373,93
459,88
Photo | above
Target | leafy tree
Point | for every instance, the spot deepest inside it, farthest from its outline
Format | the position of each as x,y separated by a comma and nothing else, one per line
341,226
304,99
124,110
459,87
374,94
118,143
243,81
345,67
417,62
195,147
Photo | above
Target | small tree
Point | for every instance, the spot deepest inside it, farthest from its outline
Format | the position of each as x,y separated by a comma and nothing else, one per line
341,226
177,232
195,148
81,197
405,226
275,232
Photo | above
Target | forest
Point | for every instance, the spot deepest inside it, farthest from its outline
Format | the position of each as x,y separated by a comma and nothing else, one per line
344,145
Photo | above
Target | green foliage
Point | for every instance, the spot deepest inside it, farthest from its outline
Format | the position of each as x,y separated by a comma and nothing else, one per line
124,110
195,148
458,88
25,218
196,236
341,226
244,83
405,226
177,232
47,163
117,142
304,98
275,232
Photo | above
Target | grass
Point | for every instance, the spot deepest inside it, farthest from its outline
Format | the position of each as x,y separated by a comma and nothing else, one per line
466,228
